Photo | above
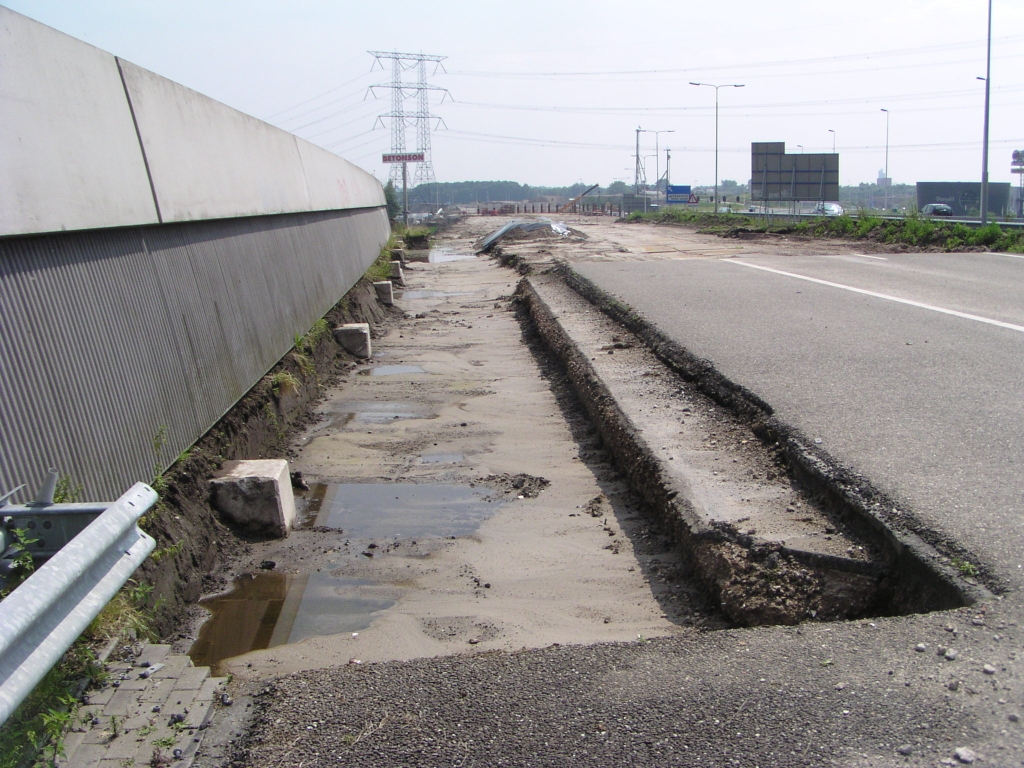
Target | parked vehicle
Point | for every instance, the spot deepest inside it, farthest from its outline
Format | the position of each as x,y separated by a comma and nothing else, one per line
828,209
936,209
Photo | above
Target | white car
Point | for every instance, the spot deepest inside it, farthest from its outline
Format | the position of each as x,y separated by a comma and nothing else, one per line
828,209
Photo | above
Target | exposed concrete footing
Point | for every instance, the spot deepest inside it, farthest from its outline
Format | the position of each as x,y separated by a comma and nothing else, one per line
355,339
396,272
256,495
385,292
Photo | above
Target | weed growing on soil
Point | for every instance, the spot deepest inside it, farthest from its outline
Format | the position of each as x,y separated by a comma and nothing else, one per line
67,490
912,231
965,567
285,381
39,725
381,269
22,564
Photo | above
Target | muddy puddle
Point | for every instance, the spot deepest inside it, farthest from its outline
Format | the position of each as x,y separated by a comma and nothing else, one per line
398,510
268,609
420,295
441,458
438,255
391,370
378,411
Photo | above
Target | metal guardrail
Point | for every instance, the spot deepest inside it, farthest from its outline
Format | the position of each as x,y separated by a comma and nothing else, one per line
46,614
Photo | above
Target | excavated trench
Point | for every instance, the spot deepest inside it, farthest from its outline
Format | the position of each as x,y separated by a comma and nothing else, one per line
774,531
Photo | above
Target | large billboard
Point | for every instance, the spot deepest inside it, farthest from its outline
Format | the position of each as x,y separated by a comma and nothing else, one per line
964,197
781,177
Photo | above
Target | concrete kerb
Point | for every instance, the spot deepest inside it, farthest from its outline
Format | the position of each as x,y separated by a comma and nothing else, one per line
920,579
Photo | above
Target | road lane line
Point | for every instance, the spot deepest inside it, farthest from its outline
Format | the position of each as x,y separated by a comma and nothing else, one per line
909,302
865,256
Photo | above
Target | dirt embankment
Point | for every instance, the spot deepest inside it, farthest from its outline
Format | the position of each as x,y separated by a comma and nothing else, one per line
190,538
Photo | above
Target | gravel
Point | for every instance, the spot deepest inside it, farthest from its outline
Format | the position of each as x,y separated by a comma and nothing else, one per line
668,701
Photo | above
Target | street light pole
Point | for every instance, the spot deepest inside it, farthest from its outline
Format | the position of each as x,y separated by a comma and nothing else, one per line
716,87
888,181
984,145
833,140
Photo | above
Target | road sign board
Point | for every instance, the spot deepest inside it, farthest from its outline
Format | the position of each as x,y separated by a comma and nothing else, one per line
677,194
403,157
1018,157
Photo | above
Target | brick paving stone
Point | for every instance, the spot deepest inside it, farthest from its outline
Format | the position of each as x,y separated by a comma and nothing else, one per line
101,695
192,679
134,683
121,703
86,754
212,688
178,688
173,667
159,693
153,654
121,747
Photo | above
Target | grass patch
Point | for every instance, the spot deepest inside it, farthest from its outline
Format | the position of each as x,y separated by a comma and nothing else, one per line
912,231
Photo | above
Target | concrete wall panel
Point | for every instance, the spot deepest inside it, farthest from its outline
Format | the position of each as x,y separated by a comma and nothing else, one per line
246,167
80,126
336,183
209,161
69,154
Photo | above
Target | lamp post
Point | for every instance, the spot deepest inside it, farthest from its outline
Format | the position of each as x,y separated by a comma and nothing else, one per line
716,87
984,145
833,140
801,148
888,182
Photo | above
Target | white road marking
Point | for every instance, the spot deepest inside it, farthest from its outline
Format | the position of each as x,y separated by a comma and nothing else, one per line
865,256
909,302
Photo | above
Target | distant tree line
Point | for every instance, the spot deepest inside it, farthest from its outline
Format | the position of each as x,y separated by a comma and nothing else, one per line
482,192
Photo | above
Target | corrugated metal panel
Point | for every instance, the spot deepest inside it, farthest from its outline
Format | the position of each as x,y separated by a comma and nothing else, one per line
110,335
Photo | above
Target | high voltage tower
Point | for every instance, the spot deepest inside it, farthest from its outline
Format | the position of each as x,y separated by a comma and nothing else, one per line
421,117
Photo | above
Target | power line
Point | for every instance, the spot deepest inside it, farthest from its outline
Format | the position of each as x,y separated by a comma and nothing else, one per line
422,117
744,66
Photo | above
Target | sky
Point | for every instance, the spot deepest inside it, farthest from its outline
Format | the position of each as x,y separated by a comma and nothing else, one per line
551,93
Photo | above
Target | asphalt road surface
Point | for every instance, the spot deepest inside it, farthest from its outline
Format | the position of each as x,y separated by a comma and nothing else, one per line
909,368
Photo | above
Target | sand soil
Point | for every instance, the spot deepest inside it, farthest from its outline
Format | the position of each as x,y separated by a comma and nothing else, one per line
457,399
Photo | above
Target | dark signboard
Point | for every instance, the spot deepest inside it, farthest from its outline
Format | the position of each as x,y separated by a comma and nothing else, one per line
781,177
964,197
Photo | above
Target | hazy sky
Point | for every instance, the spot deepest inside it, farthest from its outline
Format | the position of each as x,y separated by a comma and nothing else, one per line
551,92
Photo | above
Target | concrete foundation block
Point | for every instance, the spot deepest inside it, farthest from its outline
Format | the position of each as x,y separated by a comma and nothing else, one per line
398,254
385,292
354,338
256,495
396,272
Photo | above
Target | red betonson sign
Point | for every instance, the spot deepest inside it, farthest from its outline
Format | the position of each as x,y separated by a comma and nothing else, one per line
405,157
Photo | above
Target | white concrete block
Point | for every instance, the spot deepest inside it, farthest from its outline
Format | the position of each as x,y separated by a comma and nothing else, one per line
256,495
396,272
385,292
354,338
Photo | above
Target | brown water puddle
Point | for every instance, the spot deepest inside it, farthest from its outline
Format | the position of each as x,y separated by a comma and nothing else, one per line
398,510
268,609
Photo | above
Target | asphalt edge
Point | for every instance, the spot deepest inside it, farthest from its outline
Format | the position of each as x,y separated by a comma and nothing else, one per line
920,579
